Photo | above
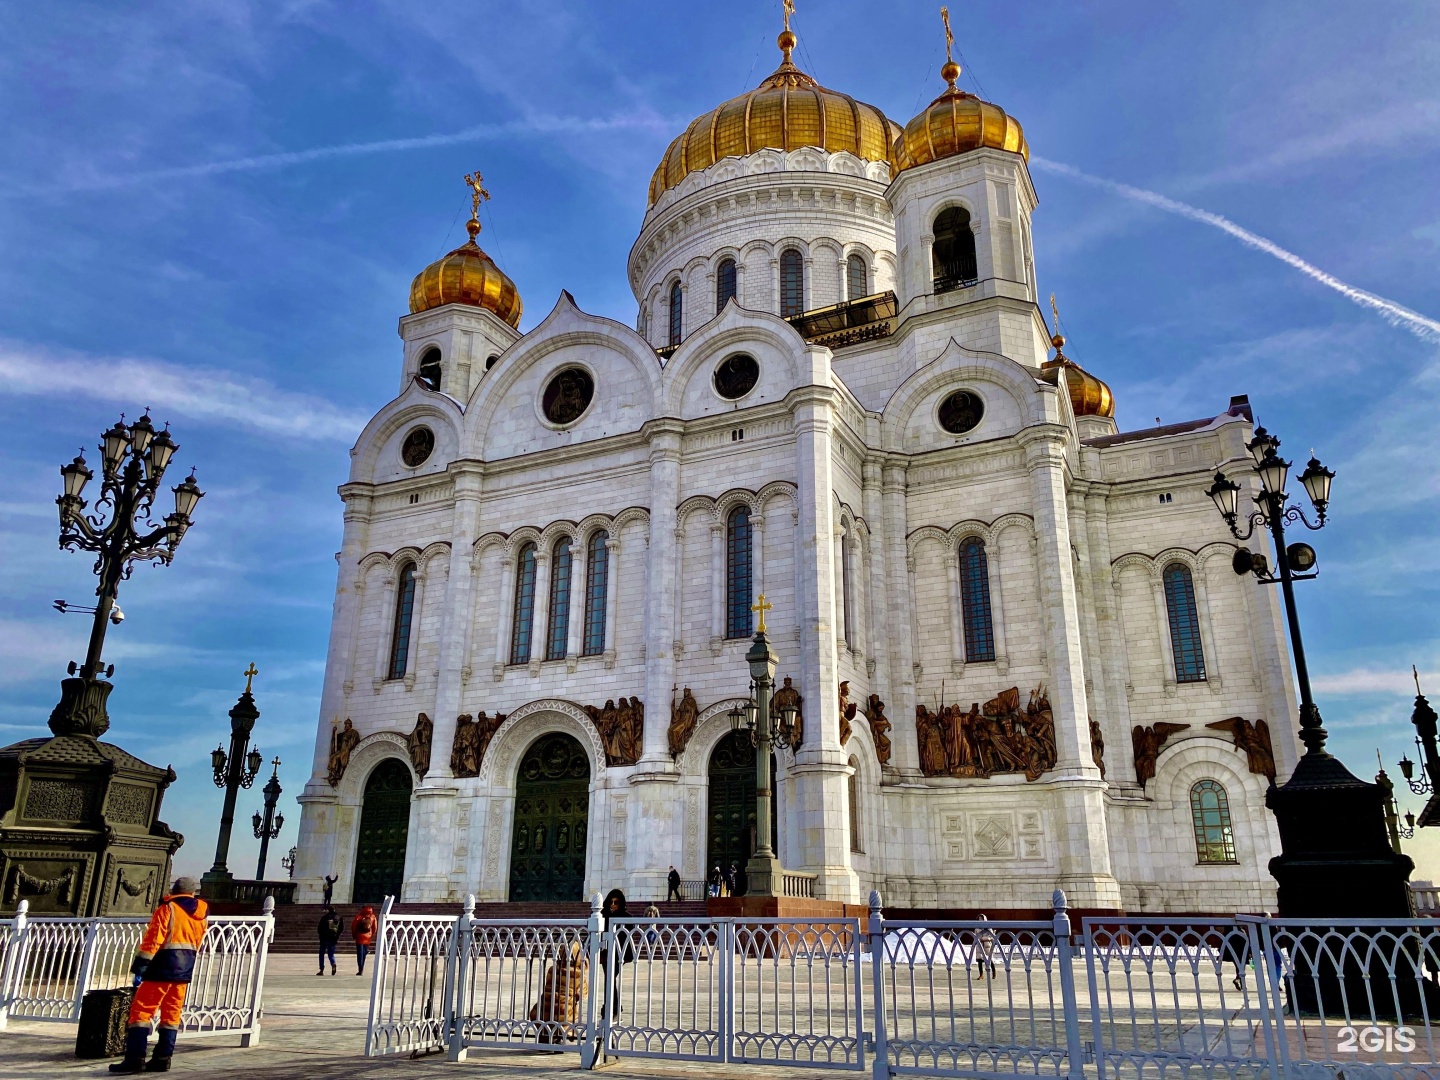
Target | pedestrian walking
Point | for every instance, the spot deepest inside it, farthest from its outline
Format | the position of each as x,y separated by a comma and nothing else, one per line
652,935
984,946
729,879
715,880
162,968
330,929
614,908
363,931
329,888
672,881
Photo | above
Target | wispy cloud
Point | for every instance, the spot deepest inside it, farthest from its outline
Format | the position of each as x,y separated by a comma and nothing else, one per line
202,394
1398,681
1421,326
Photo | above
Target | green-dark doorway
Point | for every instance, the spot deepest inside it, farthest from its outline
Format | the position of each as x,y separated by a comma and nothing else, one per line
730,835
552,813
384,826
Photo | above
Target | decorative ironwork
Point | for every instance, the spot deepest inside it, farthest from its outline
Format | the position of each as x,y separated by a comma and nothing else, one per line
238,769
552,804
999,738
267,826
384,830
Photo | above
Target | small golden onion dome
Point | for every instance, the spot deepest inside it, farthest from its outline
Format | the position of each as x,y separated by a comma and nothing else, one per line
466,276
785,112
956,123
1089,396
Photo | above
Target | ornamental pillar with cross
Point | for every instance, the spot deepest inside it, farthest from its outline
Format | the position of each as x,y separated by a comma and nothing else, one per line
233,771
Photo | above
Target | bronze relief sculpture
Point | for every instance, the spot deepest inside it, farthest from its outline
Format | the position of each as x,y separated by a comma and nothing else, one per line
1146,742
684,715
787,695
418,743
999,737
1097,747
343,741
1254,739
879,725
621,728
472,739
847,713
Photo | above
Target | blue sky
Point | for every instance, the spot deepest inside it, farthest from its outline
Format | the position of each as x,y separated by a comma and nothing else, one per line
215,208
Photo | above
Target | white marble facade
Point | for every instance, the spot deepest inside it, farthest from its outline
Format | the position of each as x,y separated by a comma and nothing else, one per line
843,465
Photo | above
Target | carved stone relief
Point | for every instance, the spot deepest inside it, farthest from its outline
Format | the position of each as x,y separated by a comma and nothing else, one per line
998,738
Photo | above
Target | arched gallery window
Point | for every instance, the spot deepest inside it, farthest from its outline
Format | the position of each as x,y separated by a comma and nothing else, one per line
724,284
404,612
792,283
737,573
857,279
1210,809
677,314
953,253
559,622
524,606
1184,624
430,368
597,578
857,843
975,601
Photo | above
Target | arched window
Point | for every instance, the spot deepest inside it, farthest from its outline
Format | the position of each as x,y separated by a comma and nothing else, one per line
404,612
1210,809
737,573
559,623
677,314
792,283
430,368
724,284
857,842
524,606
491,360
975,601
857,278
597,578
1184,624
953,253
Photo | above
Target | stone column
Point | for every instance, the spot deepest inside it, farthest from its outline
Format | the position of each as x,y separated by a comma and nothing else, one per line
897,626
837,585
456,617
384,638
957,619
505,615
877,639
717,587
612,585
757,553
540,613
997,604
821,768
579,572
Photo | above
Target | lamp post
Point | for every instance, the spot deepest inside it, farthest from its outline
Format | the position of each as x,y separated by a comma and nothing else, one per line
233,771
268,827
1336,856
288,863
1425,722
133,463
763,872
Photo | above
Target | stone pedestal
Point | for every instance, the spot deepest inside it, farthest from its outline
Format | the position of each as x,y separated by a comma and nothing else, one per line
80,828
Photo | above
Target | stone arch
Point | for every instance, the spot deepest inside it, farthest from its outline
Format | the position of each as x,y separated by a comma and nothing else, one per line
555,531
415,403
775,489
526,724
712,725
955,366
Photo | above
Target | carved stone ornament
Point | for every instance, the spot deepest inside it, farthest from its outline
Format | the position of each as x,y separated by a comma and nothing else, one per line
567,395
1147,743
621,728
998,738
847,713
138,890
879,725
419,444
418,743
342,744
684,715
788,695
472,739
23,884
1097,747
1254,739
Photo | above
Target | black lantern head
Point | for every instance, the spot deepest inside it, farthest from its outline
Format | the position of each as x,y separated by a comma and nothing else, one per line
1262,445
218,760
162,449
187,494
253,761
1409,819
1407,768
1316,479
256,820
141,432
279,823
1273,472
76,476
737,718
1226,494
117,441
787,722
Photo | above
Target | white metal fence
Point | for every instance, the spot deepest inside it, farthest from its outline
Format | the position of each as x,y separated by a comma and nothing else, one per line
1129,998
47,965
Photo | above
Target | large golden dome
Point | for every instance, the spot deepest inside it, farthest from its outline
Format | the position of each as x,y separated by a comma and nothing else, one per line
785,112
956,123
1089,396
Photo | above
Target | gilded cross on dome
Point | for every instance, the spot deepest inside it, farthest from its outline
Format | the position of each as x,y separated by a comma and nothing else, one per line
950,71
477,194
762,606
789,10
786,40
249,674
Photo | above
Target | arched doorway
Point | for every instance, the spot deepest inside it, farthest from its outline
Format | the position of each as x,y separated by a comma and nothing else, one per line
552,812
730,834
384,826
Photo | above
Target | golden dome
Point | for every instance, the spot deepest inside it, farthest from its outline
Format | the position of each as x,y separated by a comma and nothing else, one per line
1089,396
785,112
956,123
467,275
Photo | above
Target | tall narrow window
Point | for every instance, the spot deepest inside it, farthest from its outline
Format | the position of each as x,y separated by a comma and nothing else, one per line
857,280
792,283
524,620
1184,624
847,606
597,579
975,601
430,368
1210,809
404,612
737,573
857,843
953,253
677,314
559,623
724,284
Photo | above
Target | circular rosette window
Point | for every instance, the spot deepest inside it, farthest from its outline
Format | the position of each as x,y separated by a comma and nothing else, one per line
567,395
736,376
960,412
419,444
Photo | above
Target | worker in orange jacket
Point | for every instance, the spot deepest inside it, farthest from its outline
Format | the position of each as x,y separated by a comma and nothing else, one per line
162,970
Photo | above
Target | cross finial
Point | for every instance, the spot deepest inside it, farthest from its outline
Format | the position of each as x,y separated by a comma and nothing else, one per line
1056,338
789,10
949,71
1413,670
249,674
762,606
478,194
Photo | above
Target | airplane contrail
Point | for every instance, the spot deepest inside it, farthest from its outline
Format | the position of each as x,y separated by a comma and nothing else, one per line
1421,326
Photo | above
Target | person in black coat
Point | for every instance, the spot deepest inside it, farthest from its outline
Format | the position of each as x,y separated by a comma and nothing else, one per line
672,881
330,929
614,908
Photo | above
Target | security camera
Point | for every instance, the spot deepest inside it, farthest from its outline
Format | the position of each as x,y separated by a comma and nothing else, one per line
116,615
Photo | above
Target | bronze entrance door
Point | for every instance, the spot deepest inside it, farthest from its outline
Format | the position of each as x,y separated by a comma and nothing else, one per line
552,811
730,835
384,826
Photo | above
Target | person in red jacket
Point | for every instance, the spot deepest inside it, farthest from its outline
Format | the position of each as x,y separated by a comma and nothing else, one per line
162,969
363,931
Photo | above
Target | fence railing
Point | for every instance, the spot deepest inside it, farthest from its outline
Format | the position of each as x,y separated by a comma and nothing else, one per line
1427,899
1130,998
47,965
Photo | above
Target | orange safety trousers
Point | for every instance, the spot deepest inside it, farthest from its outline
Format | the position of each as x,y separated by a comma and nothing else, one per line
166,998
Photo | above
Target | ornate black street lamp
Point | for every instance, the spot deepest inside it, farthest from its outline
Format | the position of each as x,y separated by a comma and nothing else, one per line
268,827
1425,722
288,863
763,873
1336,855
233,771
133,462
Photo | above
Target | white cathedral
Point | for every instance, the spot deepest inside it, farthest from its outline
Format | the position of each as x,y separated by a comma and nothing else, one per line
1020,655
